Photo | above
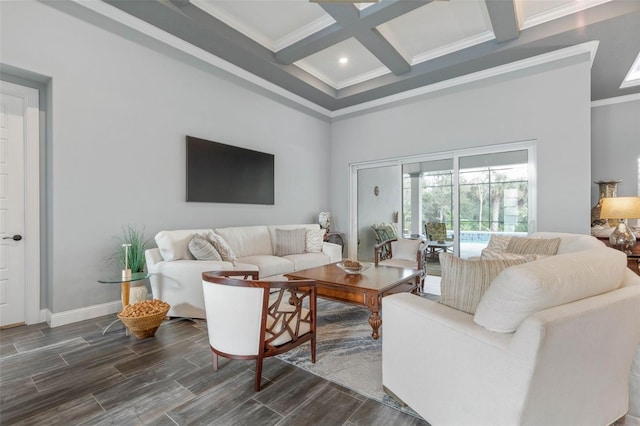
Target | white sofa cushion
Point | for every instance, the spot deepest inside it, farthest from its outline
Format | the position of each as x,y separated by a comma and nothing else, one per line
247,240
405,249
269,265
308,260
522,290
464,281
399,263
173,245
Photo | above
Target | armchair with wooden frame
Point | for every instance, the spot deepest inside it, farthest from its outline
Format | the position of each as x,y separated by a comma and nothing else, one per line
251,319
401,253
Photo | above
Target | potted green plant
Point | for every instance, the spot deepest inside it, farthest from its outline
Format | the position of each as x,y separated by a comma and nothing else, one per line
135,256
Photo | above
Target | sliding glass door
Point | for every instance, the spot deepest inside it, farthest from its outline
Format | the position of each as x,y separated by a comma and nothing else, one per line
472,193
493,198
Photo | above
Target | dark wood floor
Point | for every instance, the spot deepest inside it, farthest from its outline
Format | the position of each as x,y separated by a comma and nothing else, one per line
76,375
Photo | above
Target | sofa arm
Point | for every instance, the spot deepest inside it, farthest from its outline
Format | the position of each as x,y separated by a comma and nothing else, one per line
152,257
433,357
334,251
577,339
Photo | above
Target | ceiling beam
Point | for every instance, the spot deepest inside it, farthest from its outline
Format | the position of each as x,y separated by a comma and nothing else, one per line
348,17
351,22
503,19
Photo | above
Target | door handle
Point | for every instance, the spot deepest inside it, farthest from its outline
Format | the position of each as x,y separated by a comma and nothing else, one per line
16,237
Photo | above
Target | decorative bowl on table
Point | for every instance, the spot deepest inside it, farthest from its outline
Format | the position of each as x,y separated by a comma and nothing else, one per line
353,267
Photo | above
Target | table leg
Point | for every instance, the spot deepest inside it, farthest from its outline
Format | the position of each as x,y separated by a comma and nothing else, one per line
126,287
375,322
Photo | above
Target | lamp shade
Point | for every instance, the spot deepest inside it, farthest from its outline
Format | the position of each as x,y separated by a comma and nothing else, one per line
620,208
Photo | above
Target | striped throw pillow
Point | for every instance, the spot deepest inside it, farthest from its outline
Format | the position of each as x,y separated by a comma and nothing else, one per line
202,249
290,241
464,282
523,245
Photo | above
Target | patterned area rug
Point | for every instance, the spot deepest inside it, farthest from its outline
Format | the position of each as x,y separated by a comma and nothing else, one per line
345,352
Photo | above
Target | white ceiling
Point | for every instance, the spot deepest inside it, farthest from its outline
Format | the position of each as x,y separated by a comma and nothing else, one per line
392,46
430,31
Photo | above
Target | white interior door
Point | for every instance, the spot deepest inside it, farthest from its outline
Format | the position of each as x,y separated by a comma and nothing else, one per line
13,134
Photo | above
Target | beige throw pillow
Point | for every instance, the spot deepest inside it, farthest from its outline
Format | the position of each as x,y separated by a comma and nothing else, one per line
290,241
202,249
314,240
223,248
523,245
498,242
406,249
464,281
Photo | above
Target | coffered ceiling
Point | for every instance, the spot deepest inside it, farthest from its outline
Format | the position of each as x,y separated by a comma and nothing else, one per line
337,54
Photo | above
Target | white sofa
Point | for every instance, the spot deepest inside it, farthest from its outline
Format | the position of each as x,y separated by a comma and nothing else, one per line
568,364
176,277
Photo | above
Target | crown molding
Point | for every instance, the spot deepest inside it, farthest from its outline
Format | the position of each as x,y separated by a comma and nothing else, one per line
234,23
303,32
454,47
559,12
579,49
616,100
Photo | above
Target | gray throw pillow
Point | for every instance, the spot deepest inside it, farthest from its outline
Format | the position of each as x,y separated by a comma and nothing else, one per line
290,241
202,249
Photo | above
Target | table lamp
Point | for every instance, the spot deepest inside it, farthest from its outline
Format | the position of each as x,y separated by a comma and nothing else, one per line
621,208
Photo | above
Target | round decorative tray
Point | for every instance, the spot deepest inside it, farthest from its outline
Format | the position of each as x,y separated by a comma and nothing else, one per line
355,271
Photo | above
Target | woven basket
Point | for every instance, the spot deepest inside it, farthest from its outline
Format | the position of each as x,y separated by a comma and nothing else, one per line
143,327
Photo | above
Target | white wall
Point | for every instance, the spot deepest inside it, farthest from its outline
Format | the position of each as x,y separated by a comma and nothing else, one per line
615,136
116,155
550,105
374,208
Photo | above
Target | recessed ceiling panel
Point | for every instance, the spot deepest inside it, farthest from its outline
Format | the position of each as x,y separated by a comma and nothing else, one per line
273,24
532,13
361,65
438,28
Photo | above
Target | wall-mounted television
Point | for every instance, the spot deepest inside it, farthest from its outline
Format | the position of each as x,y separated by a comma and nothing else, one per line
220,173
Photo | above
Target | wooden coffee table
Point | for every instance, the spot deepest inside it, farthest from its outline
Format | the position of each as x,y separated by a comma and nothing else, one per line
366,289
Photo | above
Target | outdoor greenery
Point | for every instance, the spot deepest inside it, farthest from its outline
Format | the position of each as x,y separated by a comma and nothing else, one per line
135,237
492,199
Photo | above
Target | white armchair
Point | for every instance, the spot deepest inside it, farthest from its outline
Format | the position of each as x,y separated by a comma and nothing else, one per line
401,253
567,364
246,321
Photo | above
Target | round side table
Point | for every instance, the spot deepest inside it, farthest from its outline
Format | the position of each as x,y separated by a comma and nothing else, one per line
139,290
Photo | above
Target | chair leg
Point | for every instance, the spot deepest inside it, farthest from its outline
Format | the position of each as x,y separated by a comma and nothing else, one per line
215,361
256,385
313,348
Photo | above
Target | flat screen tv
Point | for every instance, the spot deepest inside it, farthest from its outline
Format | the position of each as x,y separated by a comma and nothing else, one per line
219,173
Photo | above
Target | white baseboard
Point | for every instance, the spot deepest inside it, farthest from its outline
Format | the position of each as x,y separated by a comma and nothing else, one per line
67,317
